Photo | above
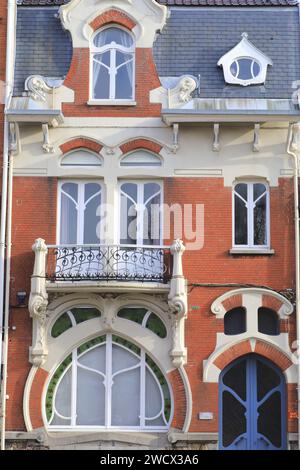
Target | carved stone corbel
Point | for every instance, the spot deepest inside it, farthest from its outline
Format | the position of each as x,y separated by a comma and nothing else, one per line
47,146
182,92
109,313
37,88
177,301
38,303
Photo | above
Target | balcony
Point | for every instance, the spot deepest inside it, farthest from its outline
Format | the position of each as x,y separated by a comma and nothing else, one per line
120,263
106,269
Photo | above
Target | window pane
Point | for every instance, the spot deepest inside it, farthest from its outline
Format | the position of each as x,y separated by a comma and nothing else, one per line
242,190
90,398
268,322
235,321
235,378
153,401
68,216
101,76
152,199
269,419
233,418
126,399
241,223
234,68
92,213
260,215
128,216
245,69
94,359
258,190
63,400
124,78
109,35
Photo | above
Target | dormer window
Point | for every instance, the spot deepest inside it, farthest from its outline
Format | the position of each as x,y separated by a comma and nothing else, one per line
112,62
245,64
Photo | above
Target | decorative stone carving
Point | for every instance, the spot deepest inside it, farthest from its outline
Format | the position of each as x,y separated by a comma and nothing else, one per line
37,88
177,301
47,146
38,303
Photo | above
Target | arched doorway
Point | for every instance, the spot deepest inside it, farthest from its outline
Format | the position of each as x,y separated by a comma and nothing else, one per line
252,404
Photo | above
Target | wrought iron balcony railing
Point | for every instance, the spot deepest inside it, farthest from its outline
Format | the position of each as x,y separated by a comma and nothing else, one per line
108,262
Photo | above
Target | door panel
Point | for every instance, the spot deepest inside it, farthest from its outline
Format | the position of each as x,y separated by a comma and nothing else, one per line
252,406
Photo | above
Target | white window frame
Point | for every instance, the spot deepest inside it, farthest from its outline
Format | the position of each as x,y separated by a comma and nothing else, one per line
250,216
140,203
80,220
108,393
112,100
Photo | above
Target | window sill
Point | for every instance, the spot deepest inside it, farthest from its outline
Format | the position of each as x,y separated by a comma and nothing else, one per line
251,251
111,103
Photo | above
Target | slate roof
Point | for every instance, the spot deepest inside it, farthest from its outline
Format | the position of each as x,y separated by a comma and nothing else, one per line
192,42
222,3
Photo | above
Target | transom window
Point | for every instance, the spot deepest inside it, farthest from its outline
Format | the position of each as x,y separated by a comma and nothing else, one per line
145,318
73,317
113,64
251,215
245,68
80,216
81,157
140,216
108,382
141,158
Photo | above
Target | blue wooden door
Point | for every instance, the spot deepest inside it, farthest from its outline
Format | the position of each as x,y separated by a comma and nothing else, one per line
252,404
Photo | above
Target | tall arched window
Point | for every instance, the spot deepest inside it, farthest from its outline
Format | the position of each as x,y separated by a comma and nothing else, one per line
108,382
113,64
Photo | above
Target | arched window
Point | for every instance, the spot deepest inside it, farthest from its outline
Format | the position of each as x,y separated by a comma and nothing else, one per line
268,322
113,65
108,382
141,158
235,321
81,157
73,317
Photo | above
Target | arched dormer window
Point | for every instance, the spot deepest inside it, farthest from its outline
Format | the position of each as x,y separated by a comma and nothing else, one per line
113,65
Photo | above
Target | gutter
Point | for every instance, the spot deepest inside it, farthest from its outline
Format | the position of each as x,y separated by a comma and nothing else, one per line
297,262
5,237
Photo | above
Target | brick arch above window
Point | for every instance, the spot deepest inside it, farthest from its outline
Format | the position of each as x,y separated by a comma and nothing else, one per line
227,354
112,16
80,142
144,144
263,298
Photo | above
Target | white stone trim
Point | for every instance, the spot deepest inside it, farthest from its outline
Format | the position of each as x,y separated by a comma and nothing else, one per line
26,398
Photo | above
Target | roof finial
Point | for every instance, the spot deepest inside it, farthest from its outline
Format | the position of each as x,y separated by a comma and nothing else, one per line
245,35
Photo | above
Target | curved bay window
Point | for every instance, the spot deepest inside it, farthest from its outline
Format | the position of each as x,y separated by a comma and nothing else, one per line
113,65
108,382
251,215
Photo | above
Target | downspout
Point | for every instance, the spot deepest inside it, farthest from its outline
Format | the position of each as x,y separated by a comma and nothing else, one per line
297,261
6,199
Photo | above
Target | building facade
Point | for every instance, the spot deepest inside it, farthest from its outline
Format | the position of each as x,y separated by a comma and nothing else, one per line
153,286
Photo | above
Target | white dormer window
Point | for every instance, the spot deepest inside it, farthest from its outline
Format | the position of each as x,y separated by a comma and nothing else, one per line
245,64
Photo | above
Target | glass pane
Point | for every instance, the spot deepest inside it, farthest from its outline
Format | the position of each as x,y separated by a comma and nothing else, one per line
101,76
84,314
241,223
110,35
255,69
68,216
235,378
258,190
156,325
245,69
242,190
153,401
90,398
260,216
267,379
235,321
94,359
233,419
63,399
92,214
268,321
122,359
152,216
269,419
133,314
128,216
126,399
61,325
234,68
124,78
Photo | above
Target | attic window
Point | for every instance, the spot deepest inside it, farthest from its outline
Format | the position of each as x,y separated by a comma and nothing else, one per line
245,64
81,157
140,158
